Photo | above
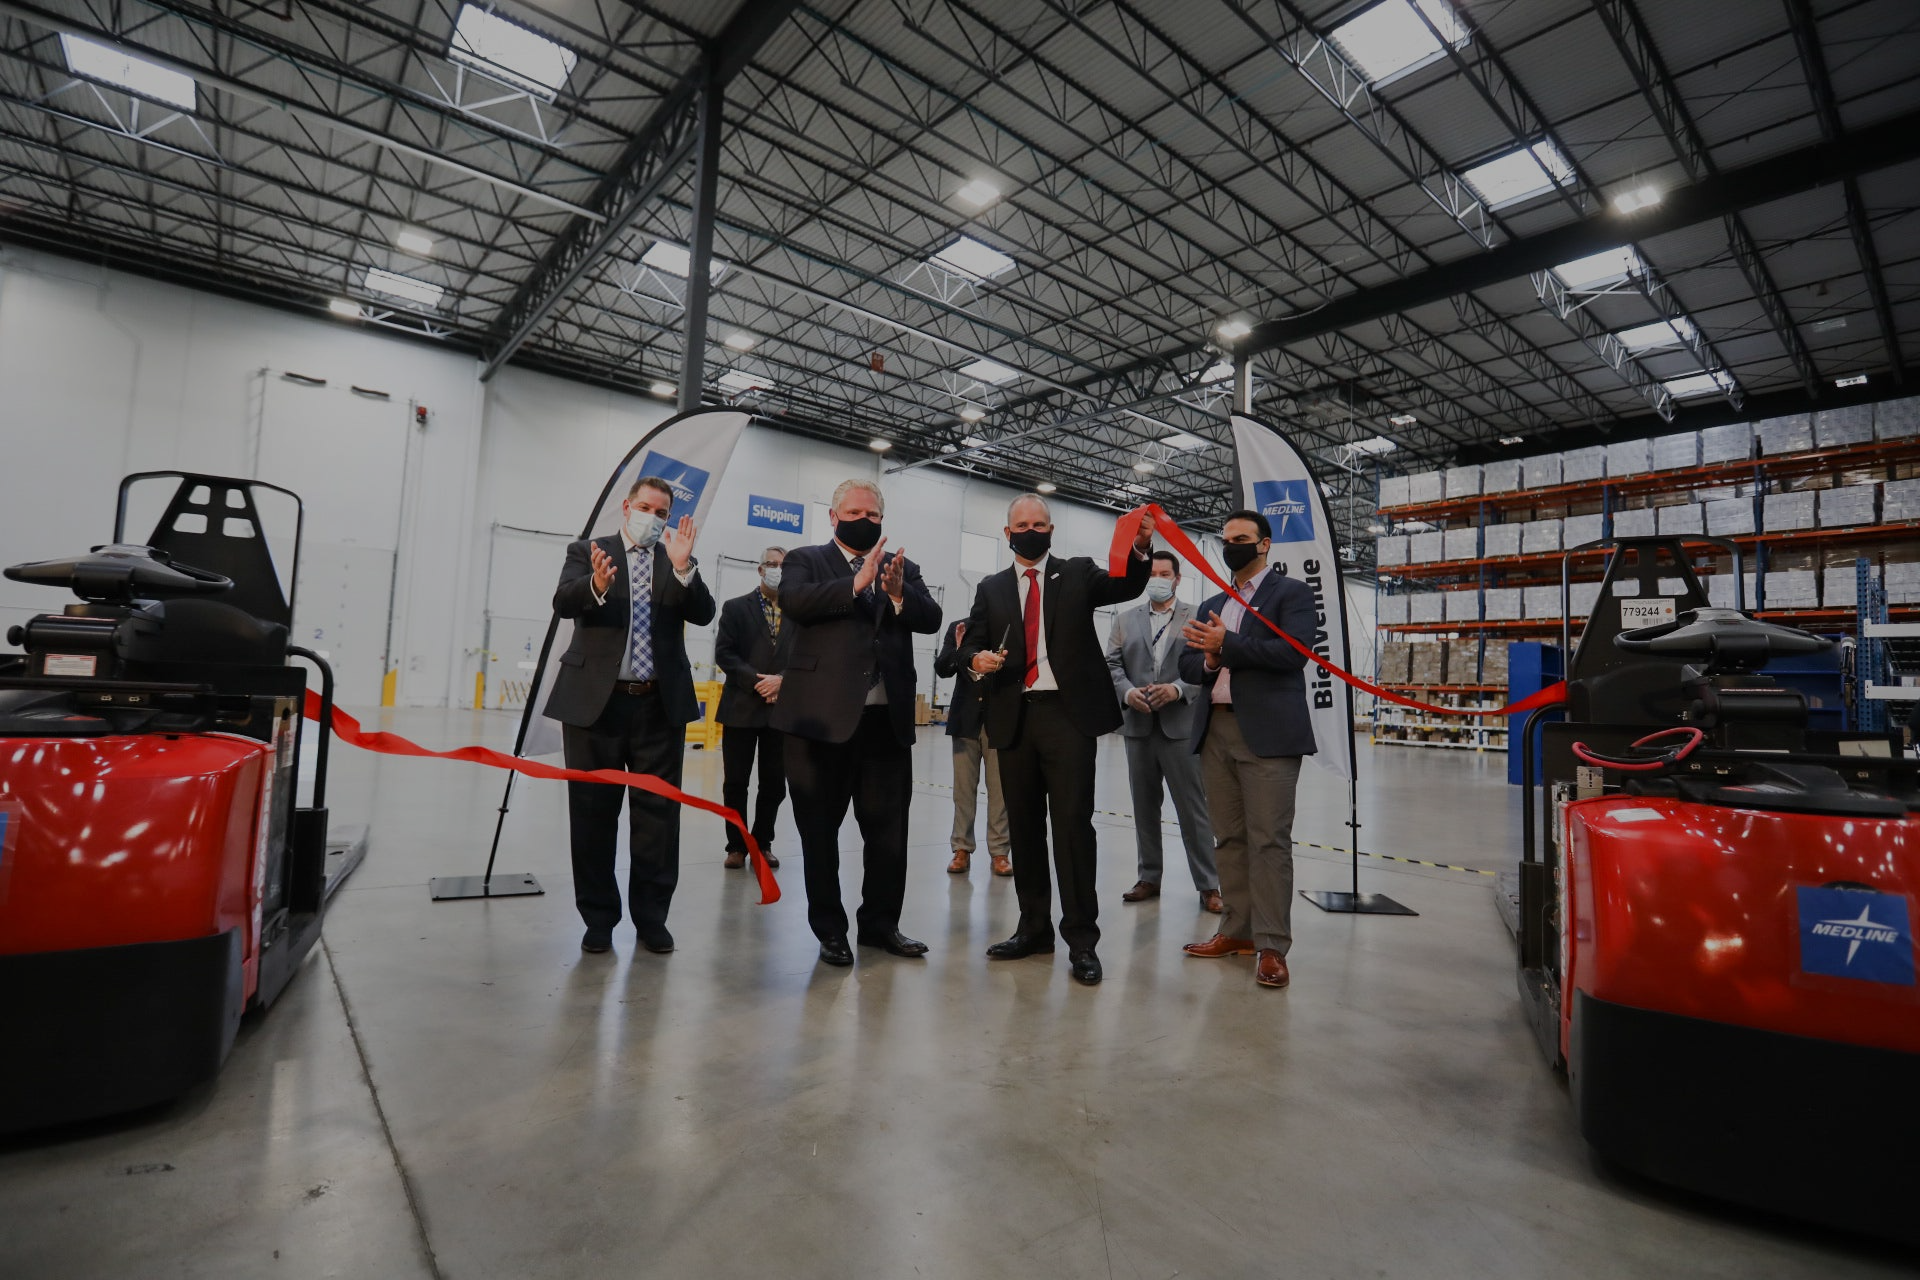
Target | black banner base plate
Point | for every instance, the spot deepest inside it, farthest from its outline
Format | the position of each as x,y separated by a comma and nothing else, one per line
1359,904
507,884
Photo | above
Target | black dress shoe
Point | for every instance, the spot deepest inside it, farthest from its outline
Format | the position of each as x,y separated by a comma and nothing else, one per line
894,944
835,951
1086,967
1018,946
597,940
658,941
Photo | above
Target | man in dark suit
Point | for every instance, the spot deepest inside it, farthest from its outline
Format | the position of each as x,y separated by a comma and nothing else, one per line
751,649
971,756
1251,731
623,695
846,704
1048,699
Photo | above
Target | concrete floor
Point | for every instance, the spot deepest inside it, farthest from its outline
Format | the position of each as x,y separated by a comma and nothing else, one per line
455,1090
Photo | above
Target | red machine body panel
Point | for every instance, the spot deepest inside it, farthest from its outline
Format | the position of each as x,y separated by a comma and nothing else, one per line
121,840
1695,909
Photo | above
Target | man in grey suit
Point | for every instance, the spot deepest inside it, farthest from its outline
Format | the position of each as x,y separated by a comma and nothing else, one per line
1143,653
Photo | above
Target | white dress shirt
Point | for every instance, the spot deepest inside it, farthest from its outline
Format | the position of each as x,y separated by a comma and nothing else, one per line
1043,669
686,578
1231,617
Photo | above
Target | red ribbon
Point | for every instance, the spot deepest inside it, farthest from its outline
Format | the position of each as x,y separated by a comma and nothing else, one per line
348,730
1127,528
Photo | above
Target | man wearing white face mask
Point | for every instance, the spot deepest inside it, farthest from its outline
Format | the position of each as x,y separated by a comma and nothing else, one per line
751,648
623,695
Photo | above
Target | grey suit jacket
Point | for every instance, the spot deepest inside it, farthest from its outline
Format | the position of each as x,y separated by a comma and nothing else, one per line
1130,659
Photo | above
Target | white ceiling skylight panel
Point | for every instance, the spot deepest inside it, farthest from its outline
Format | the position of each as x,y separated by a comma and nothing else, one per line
1661,333
674,260
1606,267
968,257
395,285
988,371
1700,384
739,380
1390,38
1519,175
104,62
509,51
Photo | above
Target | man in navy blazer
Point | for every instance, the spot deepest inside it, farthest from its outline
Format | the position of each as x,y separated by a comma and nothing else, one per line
623,695
846,704
1251,731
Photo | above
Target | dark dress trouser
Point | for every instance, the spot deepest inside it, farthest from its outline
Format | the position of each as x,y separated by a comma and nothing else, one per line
738,747
636,734
1047,779
873,773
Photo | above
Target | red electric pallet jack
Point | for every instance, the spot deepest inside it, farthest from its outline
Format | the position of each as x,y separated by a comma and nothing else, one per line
158,877
1716,919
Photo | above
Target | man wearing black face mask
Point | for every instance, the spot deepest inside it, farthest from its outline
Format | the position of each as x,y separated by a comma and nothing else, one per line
846,704
1251,732
1049,698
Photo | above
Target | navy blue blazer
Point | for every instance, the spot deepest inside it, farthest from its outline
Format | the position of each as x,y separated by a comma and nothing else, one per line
584,680
1269,687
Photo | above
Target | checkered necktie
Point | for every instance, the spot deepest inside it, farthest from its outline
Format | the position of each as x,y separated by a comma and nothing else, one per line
640,628
866,598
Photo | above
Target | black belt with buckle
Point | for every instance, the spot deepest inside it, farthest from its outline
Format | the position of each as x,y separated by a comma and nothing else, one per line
639,688
1035,695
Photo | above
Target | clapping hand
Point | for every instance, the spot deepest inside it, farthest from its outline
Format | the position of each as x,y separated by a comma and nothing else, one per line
1206,636
869,568
603,569
893,578
678,540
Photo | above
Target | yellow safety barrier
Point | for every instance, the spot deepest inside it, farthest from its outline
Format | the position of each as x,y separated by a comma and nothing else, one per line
388,684
479,690
706,732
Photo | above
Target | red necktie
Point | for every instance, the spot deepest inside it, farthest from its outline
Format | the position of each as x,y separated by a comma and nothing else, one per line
1033,626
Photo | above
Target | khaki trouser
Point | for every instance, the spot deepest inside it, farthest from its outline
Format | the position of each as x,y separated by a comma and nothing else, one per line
1251,800
967,758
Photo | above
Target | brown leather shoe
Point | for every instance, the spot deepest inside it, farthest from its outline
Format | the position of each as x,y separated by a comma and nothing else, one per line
1210,901
961,861
1141,891
1002,865
1270,970
1219,946
735,860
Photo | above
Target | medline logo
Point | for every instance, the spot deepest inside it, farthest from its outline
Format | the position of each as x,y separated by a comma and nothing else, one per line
688,482
1288,506
1852,933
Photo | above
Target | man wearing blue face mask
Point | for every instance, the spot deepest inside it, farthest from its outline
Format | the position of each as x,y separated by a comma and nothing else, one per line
751,648
623,695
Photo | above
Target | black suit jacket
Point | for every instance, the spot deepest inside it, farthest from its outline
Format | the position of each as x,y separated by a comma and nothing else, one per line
591,663
745,651
838,640
963,710
1269,688
1073,590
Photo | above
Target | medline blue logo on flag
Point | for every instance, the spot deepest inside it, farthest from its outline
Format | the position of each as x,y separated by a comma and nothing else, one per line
773,513
1853,933
688,482
1288,507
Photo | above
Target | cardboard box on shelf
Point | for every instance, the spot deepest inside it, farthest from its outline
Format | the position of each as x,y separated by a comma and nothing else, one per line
1900,501
1685,517
1580,530
1582,466
1542,602
1426,486
1462,605
1897,419
1682,449
1463,482
1637,522
1493,663
1731,443
1849,504
1463,662
1426,606
1426,662
1729,516
1394,660
1840,586
1390,549
1902,580
1427,548
1540,535
1629,458
1783,512
1389,610
1582,597
922,713
1791,434
1500,477
1543,471
1792,589
1844,427
1502,604
1393,491
1720,591
1463,544
1501,539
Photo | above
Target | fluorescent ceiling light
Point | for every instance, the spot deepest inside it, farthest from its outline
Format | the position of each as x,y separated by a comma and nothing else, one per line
969,257
663,388
414,242
988,371
1183,440
1137,489
1218,372
1375,444
1700,384
1390,37
1637,199
1661,333
741,341
1828,326
878,445
971,442
972,413
509,51
1519,175
673,260
1512,440
395,285
1045,486
1143,467
1232,330
979,193
1604,267
1857,380
104,62
1402,420
740,380
343,307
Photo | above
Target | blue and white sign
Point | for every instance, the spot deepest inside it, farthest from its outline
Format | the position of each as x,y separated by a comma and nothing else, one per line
688,481
1288,507
1856,933
774,513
